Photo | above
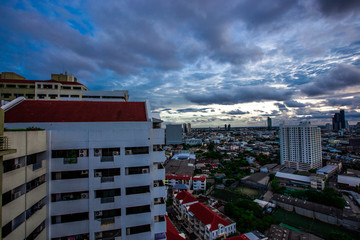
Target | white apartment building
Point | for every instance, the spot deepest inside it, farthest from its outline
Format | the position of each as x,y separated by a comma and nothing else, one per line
105,169
24,196
199,183
201,220
300,146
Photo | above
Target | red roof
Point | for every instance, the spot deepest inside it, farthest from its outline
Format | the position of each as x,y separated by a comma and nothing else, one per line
186,197
199,178
207,216
239,237
33,111
178,177
39,81
171,232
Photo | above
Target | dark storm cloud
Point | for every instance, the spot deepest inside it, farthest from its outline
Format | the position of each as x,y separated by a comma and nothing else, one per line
355,101
331,7
185,110
292,103
239,95
236,112
341,77
282,107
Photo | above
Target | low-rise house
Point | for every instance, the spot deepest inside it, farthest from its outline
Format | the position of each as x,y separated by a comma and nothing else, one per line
328,170
201,220
315,181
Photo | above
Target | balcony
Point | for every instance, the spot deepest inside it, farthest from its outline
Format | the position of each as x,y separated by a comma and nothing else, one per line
70,164
69,185
40,170
35,220
70,228
105,224
68,207
35,195
107,203
5,147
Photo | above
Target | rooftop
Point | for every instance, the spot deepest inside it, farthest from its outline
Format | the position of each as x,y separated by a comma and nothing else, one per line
75,111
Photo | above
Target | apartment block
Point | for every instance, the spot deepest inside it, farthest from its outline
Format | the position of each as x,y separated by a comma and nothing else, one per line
24,189
105,167
61,86
300,146
201,220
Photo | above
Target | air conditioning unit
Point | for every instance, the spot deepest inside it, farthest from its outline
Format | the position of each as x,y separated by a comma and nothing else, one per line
115,153
97,152
98,174
155,184
145,170
17,194
83,153
128,152
17,166
98,235
98,213
84,195
84,172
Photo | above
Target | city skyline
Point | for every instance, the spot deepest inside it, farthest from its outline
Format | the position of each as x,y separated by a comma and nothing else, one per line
206,63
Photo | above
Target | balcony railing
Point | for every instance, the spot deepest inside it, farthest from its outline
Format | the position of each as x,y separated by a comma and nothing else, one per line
107,179
107,158
107,200
72,160
4,143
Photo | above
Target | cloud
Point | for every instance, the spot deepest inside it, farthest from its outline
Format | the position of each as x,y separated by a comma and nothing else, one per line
239,95
282,107
185,110
355,101
236,112
292,103
339,78
335,7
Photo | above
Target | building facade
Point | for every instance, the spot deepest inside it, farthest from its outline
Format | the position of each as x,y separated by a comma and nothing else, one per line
300,146
174,134
24,194
105,167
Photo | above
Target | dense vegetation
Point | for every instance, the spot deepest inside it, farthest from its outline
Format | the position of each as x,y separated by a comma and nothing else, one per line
248,215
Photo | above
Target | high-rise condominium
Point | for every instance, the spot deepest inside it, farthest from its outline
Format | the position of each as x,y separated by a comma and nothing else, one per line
300,146
104,169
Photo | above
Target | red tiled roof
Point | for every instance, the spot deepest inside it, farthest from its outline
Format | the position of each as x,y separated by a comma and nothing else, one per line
239,237
171,232
178,177
207,216
199,178
76,111
186,197
38,81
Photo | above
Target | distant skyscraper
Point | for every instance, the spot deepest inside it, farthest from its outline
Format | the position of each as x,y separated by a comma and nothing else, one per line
342,119
339,121
269,124
300,146
229,127
225,127
184,128
189,127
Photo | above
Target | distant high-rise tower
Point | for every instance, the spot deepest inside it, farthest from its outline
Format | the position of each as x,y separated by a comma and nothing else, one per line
225,127
339,121
269,124
342,119
185,130
229,127
300,146
189,127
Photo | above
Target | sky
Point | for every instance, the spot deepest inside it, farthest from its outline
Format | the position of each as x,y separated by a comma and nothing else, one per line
205,62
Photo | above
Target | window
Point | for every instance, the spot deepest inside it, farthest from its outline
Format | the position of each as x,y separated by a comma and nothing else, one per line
70,218
69,196
70,174
136,150
12,164
77,88
41,96
65,87
13,194
36,207
107,175
34,161
35,183
53,96
137,190
64,96
158,183
138,229
19,95
159,218
137,209
74,96
137,170
30,96
158,201
12,225
36,231
112,234
11,86
6,95
107,195
22,86
84,236
107,213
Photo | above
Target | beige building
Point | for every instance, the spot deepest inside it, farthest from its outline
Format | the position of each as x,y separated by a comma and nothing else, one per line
24,189
61,86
